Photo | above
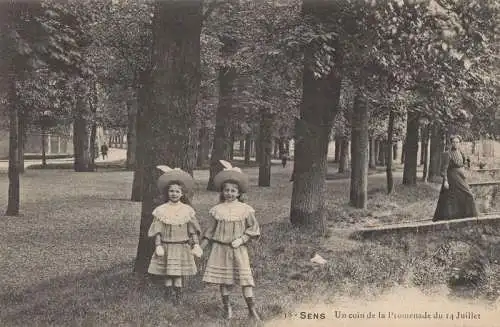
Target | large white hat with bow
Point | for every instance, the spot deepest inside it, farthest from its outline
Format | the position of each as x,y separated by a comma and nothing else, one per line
233,174
171,175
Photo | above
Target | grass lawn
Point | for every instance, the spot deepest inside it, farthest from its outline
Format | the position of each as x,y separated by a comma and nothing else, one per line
67,261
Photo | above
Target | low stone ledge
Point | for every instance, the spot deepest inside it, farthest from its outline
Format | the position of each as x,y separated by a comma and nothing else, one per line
426,227
486,170
487,183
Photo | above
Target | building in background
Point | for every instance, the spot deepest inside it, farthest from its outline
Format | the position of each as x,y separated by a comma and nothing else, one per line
60,142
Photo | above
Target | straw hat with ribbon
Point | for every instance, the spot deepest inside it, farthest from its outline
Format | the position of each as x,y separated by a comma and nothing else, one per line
230,173
176,175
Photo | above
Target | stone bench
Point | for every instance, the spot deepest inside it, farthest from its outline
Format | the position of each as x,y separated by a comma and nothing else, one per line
491,171
483,231
462,250
486,183
424,227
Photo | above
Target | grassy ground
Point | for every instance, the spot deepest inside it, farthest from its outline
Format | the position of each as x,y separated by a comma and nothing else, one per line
67,261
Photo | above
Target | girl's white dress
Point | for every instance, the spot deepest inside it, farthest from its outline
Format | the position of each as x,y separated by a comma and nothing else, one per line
177,225
227,265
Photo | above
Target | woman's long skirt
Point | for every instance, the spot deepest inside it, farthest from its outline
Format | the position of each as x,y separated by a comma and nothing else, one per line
457,201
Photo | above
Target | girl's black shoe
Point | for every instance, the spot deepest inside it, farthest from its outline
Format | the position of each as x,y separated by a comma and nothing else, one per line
252,313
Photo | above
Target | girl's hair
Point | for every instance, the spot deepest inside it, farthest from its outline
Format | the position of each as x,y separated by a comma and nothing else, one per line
455,137
184,198
229,181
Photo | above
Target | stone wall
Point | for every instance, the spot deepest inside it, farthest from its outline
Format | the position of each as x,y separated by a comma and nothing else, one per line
430,232
469,248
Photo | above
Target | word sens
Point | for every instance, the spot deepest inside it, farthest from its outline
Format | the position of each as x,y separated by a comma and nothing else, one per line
305,315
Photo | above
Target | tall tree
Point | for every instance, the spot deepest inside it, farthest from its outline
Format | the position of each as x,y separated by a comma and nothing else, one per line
15,61
320,102
141,142
265,130
389,159
222,138
359,152
174,86
436,150
411,148
81,127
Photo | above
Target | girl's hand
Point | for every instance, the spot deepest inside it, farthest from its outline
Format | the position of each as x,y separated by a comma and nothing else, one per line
446,185
159,251
204,243
197,251
237,242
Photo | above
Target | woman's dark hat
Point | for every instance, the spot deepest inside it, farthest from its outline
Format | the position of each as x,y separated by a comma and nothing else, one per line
230,173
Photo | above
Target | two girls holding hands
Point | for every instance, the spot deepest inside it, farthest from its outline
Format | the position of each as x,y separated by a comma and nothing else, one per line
232,224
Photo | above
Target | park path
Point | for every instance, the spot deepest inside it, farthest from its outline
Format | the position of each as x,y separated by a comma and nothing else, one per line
114,154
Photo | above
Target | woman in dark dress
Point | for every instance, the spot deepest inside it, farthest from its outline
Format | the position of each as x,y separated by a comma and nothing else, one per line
455,199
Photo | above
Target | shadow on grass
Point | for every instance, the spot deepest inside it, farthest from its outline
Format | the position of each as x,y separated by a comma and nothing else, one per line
61,300
101,298
117,296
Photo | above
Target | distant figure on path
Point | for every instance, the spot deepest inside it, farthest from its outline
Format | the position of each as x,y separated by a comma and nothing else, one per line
104,151
284,158
455,199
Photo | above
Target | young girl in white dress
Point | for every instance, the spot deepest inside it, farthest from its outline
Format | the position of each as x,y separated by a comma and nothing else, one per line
232,225
175,229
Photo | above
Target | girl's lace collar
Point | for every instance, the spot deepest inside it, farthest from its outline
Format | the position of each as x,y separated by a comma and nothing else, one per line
173,213
231,211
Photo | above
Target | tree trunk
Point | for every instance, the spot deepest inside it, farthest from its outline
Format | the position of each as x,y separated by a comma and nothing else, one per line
258,148
277,148
403,152
14,188
43,142
265,138
337,148
141,135
93,146
320,102
411,149
231,147
241,153
21,142
359,153
222,137
373,153
204,147
171,114
395,151
81,144
248,145
424,150
80,132
388,169
252,148
436,150
381,152
343,154
131,135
